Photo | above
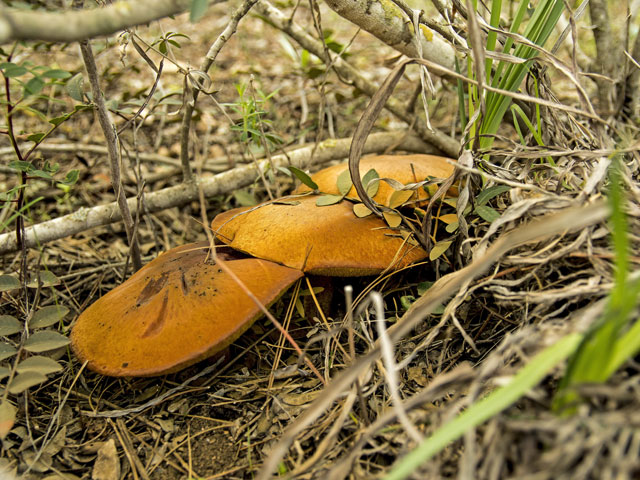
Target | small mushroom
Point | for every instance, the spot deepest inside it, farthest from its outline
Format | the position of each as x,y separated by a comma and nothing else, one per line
402,168
328,240
176,310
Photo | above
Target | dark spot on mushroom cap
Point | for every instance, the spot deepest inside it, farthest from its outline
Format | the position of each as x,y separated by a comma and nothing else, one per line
150,326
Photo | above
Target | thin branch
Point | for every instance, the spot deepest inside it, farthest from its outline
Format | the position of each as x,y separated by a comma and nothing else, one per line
566,220
445,143
87,218
109,130
192,96
75,26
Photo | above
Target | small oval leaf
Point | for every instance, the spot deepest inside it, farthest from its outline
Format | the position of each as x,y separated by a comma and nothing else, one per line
325,200
26,380
7,418
452,227
47,279
45,340
399,198
449,218
47,316
4,372
491,192
487,213
56,73
34,86
344,182
438,249
39,364
360,210
8,282
9,325
12,70
371,182
304,178
393,219
74,87
451,201
6,351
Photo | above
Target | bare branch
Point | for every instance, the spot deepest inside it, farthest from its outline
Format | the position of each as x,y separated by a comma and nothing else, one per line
387,21
80,25
87,218
275,17
110,135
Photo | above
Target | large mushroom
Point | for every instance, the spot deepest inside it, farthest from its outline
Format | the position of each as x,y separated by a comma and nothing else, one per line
181,308
178,309
401,168
327,240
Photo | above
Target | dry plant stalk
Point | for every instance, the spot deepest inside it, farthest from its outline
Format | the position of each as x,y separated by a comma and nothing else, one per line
108,128
567,220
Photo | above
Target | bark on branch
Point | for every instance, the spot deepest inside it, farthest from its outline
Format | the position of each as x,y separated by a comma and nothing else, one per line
385,20
348,73
87,218
81,25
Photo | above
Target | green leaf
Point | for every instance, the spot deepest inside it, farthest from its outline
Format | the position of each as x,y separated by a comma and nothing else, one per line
74,87
36,137
56,73
406,301
8,282
82,107
40,364
71,177
41,174
9,325
44,341
58,120
303,177
6,351
344,182
4,373
33,86
245,198
47,316
452,227
495,402
487,213
21,166
47,279
491,192
369,182
325,200
26,380
438,249
11,70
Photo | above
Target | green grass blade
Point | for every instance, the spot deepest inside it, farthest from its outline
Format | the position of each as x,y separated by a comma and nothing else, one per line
498,400
492,36
605,348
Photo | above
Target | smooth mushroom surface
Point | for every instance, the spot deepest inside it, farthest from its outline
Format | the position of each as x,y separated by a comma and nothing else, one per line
402,168
175,311
328,240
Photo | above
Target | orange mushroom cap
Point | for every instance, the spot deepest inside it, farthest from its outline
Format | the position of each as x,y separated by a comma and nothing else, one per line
328,240
175,311
402,168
